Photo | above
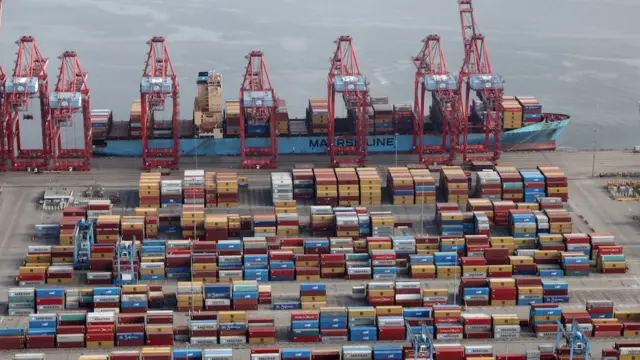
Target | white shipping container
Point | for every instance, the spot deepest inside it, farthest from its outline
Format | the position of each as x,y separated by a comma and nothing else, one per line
201,340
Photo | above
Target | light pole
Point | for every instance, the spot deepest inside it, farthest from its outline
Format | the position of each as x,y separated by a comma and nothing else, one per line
593,160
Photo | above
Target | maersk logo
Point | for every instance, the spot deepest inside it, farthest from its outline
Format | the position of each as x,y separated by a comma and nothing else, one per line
375,142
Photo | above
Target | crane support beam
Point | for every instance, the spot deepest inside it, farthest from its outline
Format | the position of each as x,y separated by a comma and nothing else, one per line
26,97
476,75
70,99
432,76
345,78
258,114
159,83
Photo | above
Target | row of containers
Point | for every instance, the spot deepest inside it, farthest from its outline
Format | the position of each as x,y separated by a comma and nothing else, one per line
416,185
210,189
545,216
622,350
343,186
327,324
191,222
310,259
187,297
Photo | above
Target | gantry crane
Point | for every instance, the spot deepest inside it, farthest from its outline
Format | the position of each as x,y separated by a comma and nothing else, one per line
257,108
476,74
345,78
71,97
159,82
28,82
576,344
422,343
432,76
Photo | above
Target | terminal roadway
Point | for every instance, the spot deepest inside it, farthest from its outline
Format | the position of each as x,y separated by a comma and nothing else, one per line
590,205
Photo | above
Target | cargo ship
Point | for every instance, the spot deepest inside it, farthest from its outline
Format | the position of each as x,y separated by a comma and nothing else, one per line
215,126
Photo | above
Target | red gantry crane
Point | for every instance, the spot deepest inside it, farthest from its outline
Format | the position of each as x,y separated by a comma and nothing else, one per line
432,76
345,78
477,75
28,82
71,97
159,82
257,110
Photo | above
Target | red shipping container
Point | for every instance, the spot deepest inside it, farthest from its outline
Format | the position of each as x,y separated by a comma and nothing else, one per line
479,335
391,333
130,328
303,339
511,356
508,293
262,332
159,339
70,329
12,343
304,315
100,337
332,258
334,332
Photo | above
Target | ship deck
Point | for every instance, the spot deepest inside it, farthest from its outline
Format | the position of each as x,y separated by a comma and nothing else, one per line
590,206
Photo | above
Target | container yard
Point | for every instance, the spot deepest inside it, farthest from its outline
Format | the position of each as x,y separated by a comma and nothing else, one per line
343,278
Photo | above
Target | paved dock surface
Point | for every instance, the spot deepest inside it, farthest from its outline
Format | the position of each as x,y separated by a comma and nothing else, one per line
590,205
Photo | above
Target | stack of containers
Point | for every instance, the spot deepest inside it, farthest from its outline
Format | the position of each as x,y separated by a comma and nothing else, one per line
41,333
21,301
481,223
232,117
383,264
245,295
256,267
229,260
522,224
556,182
217,297
476,326
424,186
203,329
391,323
60,275
171,194
281,265
599,240
348,187
192,222
347,223
534,185
529,290
559,221
313,295
512,185
193,187
261,331
382,223
169,221
542,222
600,309
503,291
98,207
149,190
422,267
332,266
501,212
318,115
227,189
282,117
303,184
49,300
190,296
531,110
107,229
34,270
408,294
100,329
134,119
159,328
333,324
264,224
106,299
454,183
401,186
555,291
506,326
305,326
151,226
326,190
132,227
322,220
210,190
383,118
67,227
281,187
488,185
100,265
216,227
574,264
403,118
449,219
71,331
544,318
446,265
447,320
307,267
370,186
134,299
512,115
611,260
288,224
101,120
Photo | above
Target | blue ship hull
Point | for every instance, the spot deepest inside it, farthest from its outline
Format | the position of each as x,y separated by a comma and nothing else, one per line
540,136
